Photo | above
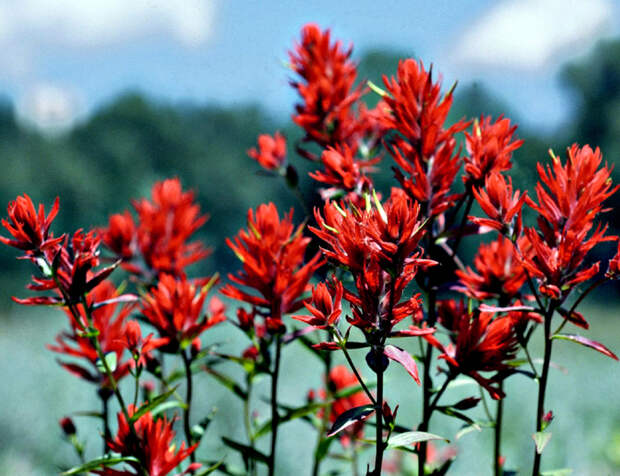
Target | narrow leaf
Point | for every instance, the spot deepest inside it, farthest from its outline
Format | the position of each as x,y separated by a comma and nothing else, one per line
123,298
350,417
245,450
588,343
227,382
488,308
557,472
541,439
410,437
102,462
404,359
151,405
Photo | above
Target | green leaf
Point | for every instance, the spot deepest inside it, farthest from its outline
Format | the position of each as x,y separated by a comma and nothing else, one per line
228,382
541,439
165,406
110,359
410,437
151,405
102,462
211,468
199,430
321,451
592,344
291,414
350,417
245,450
557,472
352,390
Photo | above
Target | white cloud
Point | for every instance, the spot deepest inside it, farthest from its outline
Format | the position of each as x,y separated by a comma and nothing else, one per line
29,28
80,23
50,108
531,34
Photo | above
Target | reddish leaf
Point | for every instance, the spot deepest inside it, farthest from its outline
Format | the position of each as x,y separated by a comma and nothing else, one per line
588,343
487,308
404,359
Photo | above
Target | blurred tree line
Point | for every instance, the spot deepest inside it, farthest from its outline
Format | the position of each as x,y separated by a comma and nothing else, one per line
117,154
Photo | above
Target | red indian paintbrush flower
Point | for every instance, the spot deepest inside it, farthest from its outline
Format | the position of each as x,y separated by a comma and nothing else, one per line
489,149
29,227
574,196
174,308
154,449
271,152
481,344
141,348
344,172
326,88
499,271
340,378
272,253
68,270
111,336
502,206
161,236
613,270
325,306
425,150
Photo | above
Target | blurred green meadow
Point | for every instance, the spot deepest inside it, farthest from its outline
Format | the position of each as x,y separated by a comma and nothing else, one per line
117,154
583,395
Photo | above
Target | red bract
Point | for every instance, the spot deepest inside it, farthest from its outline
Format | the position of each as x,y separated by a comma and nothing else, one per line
567,208
502,206
325,306
499,272
69,270
29,227
326,88
340,378
613,270
481,345
425,150
174,308
141,348
112,332
272,252
489,149
155,448
161,236
271,152
344,173
121,235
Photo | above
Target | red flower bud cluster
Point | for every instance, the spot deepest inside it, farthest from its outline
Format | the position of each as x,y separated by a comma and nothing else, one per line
271,151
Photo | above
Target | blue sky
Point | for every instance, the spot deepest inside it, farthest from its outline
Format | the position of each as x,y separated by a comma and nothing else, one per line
64,58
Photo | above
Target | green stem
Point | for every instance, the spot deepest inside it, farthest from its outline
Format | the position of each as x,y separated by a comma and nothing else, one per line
325,419
275,416
352,365
247,422
379,445
542,386
107,435
187,360
498,471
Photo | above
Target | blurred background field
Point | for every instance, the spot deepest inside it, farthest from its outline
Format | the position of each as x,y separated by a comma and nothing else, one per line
187,99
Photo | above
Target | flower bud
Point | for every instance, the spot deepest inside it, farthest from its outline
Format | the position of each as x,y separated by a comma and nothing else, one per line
67,425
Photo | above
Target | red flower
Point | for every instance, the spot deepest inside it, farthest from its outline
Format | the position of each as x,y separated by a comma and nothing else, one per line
164,228
174,308
326,306
121,235
155,448
140,348
500,204
271,152
112,332
489,149
344,172
425,150
68,269
29,227
326,88
272,253
500,273
567,208
340,378
481,345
